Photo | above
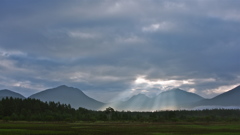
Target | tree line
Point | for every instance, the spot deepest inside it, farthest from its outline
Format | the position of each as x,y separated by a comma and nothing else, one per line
16,109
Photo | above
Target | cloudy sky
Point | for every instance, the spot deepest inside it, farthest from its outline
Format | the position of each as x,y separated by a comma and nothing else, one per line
118,48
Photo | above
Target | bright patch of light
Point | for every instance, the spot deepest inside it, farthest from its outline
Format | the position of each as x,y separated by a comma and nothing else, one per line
140,80
192,90
144,91
133,89
162,26
220,89
163,83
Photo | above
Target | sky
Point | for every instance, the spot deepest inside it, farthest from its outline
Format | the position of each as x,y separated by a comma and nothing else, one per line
114,49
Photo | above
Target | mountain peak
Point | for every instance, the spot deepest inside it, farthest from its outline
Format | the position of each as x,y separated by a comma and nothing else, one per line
68,95
140,95
177,89
6,90
174,91
8,93
63,86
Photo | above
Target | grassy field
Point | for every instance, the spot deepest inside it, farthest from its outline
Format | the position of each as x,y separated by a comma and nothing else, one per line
117,128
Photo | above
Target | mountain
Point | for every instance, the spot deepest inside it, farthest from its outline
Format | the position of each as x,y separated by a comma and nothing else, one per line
8,93
138,102
171,99
68,95
229,98
175,99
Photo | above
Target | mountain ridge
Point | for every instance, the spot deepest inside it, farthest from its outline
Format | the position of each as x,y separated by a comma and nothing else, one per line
171,99
68,95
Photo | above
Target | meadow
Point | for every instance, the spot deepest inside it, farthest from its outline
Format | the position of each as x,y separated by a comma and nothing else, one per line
117,128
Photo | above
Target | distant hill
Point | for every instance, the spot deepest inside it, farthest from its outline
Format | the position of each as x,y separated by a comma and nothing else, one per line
171,99
68,95
175,99
8,93
229,98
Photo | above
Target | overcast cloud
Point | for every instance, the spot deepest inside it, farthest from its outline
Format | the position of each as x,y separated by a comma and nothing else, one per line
110,48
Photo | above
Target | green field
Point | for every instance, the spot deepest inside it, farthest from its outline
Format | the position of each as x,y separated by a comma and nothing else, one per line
117,128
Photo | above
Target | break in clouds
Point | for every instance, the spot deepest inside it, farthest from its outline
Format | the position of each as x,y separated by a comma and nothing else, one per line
109,48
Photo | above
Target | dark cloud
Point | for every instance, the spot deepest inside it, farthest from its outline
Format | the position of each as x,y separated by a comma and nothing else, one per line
105,46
